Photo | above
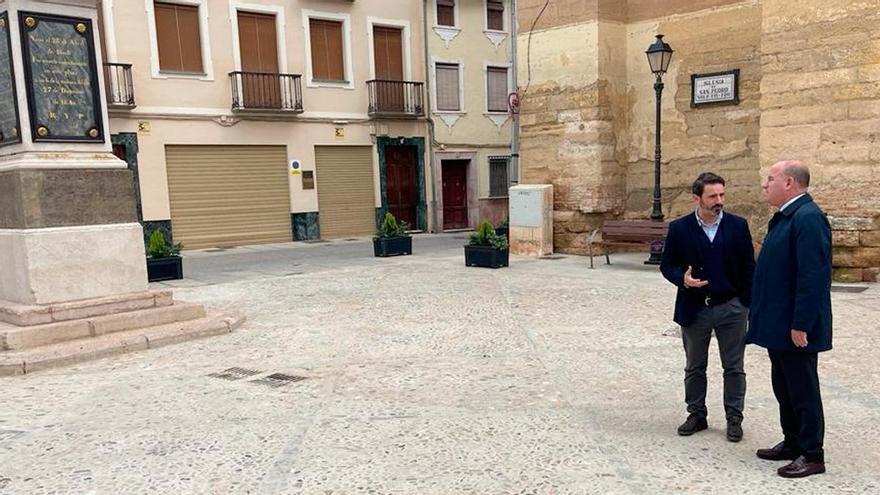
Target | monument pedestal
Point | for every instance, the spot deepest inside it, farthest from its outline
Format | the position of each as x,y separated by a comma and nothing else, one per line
73,278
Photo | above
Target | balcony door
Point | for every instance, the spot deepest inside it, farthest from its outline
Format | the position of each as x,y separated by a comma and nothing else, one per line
388,58
259,82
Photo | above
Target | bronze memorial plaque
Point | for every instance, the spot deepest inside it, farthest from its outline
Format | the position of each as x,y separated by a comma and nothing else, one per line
62,78
8,102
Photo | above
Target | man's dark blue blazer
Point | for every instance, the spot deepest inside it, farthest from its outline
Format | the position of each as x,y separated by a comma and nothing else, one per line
682,250
793,280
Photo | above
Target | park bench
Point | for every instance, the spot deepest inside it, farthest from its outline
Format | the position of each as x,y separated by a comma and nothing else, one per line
627,232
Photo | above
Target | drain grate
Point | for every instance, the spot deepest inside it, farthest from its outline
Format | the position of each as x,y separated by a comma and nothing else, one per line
848,288
233,374
278,380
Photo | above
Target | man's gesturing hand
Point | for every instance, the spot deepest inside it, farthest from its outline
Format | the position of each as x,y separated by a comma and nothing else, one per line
690,281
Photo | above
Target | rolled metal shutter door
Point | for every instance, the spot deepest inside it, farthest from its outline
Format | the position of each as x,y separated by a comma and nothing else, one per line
346,201
228,195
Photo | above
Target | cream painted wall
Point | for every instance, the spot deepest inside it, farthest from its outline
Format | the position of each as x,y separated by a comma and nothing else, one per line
300,140
473,129
192,95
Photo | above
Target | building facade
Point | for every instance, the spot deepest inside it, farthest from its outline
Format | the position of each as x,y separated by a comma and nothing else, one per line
808,88
471,76
263,121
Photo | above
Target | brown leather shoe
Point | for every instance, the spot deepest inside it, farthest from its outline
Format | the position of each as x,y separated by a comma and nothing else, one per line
800,468
779,452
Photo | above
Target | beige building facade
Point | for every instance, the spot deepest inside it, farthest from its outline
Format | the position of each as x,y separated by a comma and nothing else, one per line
471,76
809,74
262,121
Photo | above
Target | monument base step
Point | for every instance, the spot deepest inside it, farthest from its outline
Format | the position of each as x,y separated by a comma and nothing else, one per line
19,362
28,315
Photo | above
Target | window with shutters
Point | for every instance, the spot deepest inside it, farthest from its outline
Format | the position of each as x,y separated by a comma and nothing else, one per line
327,49
495,15
496,89
178,38
448,87
498,176
446,13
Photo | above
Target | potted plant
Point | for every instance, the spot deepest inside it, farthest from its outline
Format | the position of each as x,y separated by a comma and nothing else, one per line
163,261
486,248
391,239
503,229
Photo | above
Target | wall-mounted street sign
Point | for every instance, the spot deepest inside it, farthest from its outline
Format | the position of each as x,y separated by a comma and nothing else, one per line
8,101
715,88
61,72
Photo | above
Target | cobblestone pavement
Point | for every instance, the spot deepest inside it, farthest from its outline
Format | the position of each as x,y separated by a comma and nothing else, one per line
422,376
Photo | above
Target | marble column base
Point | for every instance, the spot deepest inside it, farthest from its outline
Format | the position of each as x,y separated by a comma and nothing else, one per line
56,264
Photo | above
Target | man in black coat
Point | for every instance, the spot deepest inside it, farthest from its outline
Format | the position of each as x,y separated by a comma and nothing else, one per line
791,315
709,256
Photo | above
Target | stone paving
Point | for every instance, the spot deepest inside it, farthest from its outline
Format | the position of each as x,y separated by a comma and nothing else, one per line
422,376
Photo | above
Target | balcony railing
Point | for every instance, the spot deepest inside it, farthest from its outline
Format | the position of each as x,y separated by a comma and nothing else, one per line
119,86
266,91
395,98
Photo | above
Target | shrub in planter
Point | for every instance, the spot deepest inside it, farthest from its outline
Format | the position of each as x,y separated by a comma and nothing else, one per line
391,239
503,229
486,248
163,261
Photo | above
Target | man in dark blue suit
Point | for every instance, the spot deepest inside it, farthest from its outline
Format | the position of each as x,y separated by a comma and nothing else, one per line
709,256
791,315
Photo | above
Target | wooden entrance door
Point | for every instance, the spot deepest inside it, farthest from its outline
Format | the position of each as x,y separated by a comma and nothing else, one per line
455,210
388,57
260,84
400,180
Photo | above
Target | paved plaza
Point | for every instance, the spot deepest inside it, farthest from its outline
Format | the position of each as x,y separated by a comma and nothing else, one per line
418,375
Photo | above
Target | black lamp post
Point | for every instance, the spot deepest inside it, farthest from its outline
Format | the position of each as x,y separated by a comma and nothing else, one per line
659,56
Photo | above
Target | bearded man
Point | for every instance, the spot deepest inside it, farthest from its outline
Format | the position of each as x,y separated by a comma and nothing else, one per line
709,256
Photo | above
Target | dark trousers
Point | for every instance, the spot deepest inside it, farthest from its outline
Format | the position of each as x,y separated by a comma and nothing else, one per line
796,385
729,322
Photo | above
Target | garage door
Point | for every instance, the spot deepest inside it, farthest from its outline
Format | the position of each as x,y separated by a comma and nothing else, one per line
228,195
346,203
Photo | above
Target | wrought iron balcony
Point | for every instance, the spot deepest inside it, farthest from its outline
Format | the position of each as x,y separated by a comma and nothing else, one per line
395,98
119,85
266,91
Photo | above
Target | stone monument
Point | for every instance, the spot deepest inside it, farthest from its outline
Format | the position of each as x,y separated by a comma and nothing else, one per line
69,236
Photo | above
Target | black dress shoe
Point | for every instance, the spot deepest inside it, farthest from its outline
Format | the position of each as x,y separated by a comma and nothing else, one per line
779,452
692,425
800,468
734,429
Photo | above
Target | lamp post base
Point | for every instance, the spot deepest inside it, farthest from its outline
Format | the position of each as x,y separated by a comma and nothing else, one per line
656,253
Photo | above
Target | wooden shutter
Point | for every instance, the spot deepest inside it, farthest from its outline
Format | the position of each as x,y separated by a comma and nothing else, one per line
327,50
496,89
346,202
446,12
259,45
495,15
388,53
447,87
228,195
178,37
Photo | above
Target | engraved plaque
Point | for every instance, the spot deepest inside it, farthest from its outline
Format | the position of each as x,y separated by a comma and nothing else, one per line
9,131
62,78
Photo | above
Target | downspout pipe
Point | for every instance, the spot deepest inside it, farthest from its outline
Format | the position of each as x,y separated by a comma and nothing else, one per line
514,172
431,182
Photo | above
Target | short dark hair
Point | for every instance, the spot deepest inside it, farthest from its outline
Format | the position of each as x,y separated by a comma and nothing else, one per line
706,178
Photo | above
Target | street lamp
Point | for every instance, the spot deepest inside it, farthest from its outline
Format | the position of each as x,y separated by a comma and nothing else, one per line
659,55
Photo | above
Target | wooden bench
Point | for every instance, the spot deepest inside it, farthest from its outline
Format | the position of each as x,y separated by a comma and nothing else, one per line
627,232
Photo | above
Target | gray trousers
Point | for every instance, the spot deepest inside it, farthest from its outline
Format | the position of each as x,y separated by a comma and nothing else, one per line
728,320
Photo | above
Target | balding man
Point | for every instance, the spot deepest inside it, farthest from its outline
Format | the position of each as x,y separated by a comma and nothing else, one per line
791,314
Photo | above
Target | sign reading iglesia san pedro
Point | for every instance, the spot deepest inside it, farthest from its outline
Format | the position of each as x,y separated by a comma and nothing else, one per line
62,78
8,102
719,88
